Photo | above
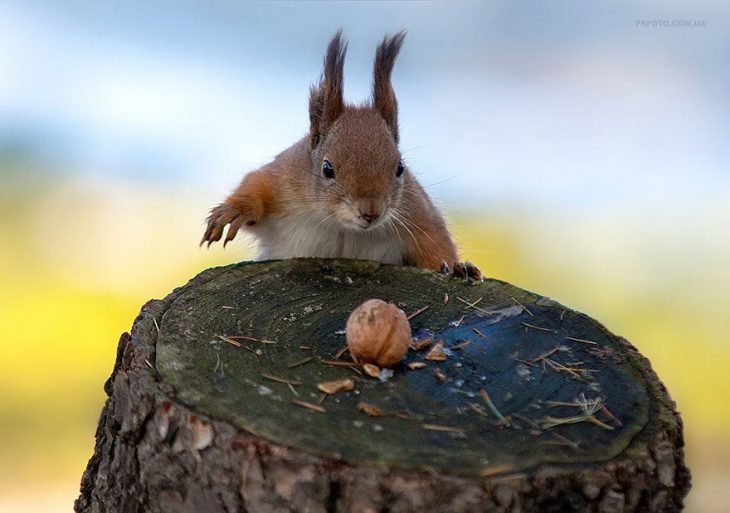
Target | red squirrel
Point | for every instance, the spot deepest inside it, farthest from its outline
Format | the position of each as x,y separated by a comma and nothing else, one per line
343,190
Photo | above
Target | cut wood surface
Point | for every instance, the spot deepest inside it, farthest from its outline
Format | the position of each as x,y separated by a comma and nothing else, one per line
216,402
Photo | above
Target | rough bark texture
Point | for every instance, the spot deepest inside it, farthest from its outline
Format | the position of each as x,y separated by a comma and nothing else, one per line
193,423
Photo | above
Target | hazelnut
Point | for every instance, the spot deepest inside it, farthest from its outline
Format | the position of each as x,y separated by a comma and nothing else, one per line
378,333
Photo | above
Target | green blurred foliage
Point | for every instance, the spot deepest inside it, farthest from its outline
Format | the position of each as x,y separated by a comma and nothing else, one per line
77,263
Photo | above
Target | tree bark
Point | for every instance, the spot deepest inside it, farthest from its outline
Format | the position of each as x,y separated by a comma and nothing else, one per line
213,403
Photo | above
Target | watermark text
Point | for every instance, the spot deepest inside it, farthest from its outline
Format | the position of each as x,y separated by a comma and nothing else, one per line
669,23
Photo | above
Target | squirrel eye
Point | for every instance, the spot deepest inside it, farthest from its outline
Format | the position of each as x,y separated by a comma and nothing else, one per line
401,168
328,169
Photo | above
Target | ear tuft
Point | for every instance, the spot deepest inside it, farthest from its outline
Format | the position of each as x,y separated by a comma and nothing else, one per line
384,99
326,98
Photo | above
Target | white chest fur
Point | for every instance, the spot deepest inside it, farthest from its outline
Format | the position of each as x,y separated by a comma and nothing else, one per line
283,238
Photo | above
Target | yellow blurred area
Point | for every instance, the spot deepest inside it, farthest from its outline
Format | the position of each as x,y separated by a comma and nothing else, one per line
76,265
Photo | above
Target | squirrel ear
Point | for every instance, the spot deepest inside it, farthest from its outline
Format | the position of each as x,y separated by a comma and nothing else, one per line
325,99
384,99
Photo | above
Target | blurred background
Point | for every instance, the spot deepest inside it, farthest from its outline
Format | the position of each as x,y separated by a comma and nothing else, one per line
578,150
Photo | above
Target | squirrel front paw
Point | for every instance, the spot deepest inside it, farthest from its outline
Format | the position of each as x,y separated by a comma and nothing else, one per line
465,270
225,214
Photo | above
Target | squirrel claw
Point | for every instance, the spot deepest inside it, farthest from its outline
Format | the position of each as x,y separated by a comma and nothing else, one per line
219,218
474,272
467,271
233,229
460,270
464,270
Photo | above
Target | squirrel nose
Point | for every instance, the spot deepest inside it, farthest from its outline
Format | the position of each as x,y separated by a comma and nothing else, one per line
370,217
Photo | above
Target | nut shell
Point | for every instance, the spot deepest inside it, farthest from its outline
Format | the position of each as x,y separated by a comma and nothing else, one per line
378,333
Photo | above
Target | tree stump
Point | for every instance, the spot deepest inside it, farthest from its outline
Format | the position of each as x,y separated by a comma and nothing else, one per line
213,403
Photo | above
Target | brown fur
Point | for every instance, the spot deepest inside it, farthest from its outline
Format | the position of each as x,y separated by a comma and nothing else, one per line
361,142
384,99
326,98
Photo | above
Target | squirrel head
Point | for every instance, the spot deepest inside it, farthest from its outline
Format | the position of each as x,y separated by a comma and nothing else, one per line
357,171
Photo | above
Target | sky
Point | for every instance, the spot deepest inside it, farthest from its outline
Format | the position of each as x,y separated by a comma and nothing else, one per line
571,106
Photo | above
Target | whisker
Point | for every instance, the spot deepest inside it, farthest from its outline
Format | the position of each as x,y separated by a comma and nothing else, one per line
326,218
396,217
444,180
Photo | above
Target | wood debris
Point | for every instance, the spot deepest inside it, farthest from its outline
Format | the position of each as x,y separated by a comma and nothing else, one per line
591,342
309,406
488,400
545,355
496,470
417,345
611,416
478,409
371,370
588,407
472,304
341,351
572,368
337,386
561,440
278,379
456,324
293,390
437,354
229,340
353,366
371,410
527,421
461,344
528,325
301,362
523,307
420,310
251,339
336,363
605,352
438,427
